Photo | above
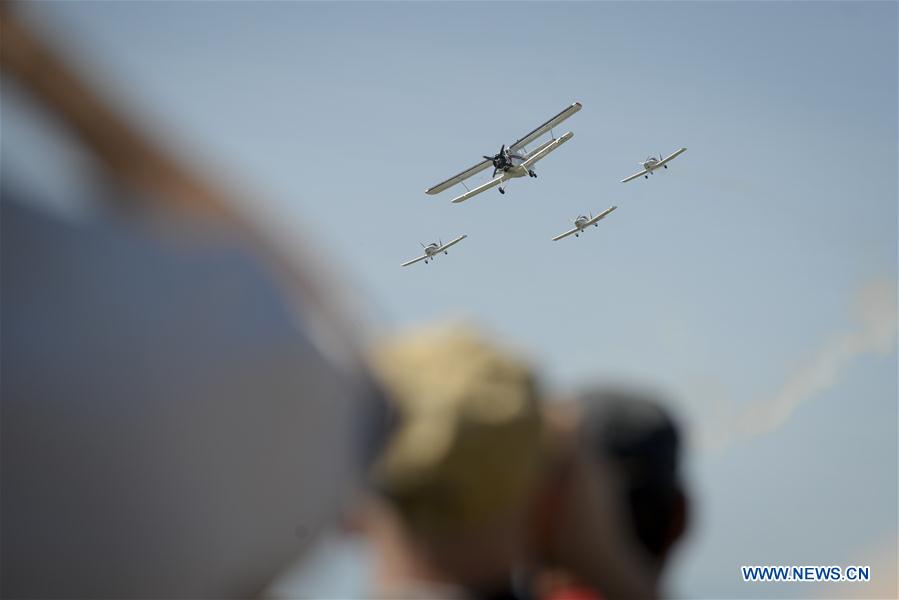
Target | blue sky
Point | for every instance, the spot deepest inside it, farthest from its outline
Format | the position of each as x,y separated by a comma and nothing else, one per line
719,281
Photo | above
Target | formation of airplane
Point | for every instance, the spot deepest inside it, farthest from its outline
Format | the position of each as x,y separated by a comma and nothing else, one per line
514,161
582,223
433,250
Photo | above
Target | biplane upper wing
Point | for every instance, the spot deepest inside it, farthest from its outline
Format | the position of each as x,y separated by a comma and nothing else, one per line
545,149
459,178
552,123
481,188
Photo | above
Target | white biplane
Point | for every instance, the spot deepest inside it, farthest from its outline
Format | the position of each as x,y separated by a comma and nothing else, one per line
582,223
433,249
652,163
511,162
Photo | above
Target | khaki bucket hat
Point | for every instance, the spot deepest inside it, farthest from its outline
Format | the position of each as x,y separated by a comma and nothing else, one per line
468,439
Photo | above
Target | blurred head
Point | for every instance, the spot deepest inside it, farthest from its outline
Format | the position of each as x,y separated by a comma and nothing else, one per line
458,471
635,435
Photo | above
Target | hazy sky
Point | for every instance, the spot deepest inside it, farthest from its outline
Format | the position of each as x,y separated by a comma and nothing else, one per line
732,280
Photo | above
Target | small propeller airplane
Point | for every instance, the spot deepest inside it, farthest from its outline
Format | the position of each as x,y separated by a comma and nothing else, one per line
433,249
511,162
652,163
582,223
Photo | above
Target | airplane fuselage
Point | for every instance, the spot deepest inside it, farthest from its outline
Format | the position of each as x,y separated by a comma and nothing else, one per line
514,171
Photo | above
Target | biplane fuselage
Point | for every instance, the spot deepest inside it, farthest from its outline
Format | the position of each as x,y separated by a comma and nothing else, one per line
515,170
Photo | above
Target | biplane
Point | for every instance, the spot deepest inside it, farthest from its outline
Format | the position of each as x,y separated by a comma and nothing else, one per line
512,161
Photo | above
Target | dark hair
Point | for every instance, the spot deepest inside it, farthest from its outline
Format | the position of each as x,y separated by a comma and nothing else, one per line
641,440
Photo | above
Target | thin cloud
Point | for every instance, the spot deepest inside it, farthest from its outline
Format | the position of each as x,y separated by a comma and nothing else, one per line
875,314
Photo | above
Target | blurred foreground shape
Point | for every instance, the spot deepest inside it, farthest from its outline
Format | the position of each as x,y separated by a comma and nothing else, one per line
183,407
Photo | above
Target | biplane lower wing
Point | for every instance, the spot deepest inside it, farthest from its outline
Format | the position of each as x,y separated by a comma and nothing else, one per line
481,188
545,150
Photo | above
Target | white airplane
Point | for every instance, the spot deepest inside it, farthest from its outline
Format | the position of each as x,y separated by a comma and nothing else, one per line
511,162
652,163
433,249
582,223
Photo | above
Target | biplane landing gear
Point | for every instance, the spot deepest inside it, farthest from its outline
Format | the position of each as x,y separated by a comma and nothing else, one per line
577,235
646,177
502,191
531,173
445,252
666,166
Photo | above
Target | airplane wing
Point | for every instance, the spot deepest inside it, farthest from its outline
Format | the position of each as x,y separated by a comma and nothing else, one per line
481,188
552,123
546,149
634,176
667,158
601,215
413,261
539,148
460,177
455,241
566,234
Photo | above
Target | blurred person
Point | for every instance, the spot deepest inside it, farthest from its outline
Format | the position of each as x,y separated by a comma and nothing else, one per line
181,408
458,472
636,443
476,487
